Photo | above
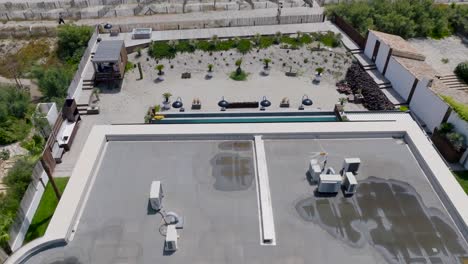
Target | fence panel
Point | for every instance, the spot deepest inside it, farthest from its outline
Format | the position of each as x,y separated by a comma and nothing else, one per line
350,31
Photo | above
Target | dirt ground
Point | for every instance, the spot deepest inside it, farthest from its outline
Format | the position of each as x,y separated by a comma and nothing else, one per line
451,48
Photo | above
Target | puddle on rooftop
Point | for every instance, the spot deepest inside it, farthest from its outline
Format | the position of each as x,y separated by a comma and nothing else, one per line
390,216
233,168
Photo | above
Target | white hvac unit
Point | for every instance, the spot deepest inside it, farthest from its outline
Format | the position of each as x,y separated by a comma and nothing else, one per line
349,183
156,195
329,183
351,165
314,170
171,239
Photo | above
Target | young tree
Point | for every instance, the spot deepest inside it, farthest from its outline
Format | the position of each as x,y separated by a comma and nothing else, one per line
238,65
266,62
72,41
167,96
160,67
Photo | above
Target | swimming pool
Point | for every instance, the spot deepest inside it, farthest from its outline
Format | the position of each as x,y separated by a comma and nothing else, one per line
276,119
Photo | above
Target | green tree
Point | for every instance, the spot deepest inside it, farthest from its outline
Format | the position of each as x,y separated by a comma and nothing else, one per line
53,82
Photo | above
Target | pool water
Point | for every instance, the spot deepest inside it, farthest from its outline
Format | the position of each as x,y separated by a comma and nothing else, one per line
287,119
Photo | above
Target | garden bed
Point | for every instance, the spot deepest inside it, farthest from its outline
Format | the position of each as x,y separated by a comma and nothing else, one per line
361,82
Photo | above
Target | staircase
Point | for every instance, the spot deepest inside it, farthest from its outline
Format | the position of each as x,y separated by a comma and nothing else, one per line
385,85
88,84
453,82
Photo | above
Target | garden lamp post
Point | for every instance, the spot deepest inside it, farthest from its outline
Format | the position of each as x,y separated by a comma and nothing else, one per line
223,104
264,103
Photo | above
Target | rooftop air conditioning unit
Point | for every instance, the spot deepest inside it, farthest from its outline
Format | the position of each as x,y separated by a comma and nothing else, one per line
349,183
329,183
170,244
156,195
351,165
314,170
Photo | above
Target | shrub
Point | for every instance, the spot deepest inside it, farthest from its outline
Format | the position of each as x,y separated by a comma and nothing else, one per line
445,128
244,46
4,154
330,39
445,60
35,145
72,42
242,76
266,41
138,51
204,45
459,108
17,181
162,50
462,71
457,140
53,82
185,46
225,45
129,66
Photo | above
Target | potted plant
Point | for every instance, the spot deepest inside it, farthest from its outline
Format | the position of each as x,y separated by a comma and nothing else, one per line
266,66
342,100
238,65
318,74
450,143
166,102
196,104
284,102
209,74
160,68
358,97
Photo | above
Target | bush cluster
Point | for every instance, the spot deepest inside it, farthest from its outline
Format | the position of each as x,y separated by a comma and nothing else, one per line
462,71
15,109
169,49
17,181
405,18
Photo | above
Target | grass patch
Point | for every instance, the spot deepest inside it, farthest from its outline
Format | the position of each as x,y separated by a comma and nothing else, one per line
242,76
462,178
45,211
460,108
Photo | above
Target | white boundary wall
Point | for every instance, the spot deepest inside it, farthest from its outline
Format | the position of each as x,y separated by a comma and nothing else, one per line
402,80
66,215
382,55
461,126
428,106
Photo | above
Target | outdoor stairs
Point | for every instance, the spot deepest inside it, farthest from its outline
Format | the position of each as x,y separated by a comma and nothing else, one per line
369,67
385,85
453,82
88,84
356,51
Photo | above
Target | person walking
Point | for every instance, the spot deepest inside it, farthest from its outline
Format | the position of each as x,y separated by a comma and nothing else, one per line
61,21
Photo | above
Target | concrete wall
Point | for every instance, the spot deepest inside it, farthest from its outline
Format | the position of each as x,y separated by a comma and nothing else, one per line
382,55
370,44
402,80
428,106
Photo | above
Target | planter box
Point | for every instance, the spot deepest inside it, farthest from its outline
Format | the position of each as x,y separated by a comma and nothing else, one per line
445,147
243,105
291,74
186,75
285,105
196,106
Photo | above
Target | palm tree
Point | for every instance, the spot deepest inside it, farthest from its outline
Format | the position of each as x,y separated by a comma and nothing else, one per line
278,36
238,64
342,100
160,67
166,96
257,38
266,61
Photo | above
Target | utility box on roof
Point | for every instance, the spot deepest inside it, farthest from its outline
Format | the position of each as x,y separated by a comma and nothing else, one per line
156,195
351,165
329,183
171,238
314,170
349,183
